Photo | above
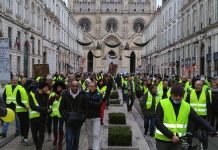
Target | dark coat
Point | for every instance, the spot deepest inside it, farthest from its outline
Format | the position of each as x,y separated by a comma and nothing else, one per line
69,104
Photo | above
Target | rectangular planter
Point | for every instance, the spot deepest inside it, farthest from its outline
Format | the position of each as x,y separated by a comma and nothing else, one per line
106,147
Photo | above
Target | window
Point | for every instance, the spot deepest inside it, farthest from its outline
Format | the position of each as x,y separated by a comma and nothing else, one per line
33,61
116,10
134,10
170,13
174,9
194,20
33,14
33,45
38,18
143,10
216,10
10,36
49,30
18,64
202,16
39,47
45,27
26,7
9,4
38,61
19,7
18,40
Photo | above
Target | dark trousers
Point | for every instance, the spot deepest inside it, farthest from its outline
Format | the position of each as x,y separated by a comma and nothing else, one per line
149,122
193,128
130,98
57,125
38,126
24,124
72,137
49,124
168,145
213,119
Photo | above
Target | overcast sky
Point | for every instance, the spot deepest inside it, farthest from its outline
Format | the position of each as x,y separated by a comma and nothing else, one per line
159,2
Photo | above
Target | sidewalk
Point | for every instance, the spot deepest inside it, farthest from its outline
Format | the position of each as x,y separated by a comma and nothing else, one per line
16,145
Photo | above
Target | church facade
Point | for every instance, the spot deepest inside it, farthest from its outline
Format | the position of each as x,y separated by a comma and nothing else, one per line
112,32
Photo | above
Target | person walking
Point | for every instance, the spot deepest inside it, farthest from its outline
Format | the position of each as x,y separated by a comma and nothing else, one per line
199,100
57,121
93,104
22,110
72,110
9,97
173,116
38,112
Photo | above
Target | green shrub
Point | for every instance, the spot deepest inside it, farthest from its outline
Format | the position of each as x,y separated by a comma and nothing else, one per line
119,136
117,118
115,101
114,95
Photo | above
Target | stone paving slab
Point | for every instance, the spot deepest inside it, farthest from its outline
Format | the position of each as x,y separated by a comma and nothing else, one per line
15,144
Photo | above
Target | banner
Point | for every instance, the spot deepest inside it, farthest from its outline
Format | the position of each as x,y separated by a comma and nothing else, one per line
112,68
5,75
40,70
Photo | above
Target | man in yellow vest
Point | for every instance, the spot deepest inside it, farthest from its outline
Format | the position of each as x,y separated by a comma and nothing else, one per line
22,108
173,116
148,104
9,97
38,102
199,100
131,93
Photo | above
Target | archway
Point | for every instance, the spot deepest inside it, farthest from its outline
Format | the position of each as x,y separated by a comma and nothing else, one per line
26,58
132,62
90,62
202,59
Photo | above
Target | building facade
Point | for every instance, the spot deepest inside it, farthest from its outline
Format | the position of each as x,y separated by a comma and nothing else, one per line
152,36
110,28
189,38
32,41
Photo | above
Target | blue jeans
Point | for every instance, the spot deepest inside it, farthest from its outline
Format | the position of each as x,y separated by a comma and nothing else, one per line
6,125
72,137
125,98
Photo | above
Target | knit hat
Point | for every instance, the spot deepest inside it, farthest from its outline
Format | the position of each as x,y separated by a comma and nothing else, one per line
43,84
177,89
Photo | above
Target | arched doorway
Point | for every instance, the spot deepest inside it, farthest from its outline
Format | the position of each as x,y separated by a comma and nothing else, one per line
132,62
90,62
26,59
202,59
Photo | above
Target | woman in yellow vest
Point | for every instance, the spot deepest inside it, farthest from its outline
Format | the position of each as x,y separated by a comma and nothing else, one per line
54,103
173,116
102,90
38,102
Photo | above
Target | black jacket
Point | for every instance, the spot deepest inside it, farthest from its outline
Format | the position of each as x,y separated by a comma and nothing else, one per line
214,100
93,103
193,117
70,104
42,100
3,110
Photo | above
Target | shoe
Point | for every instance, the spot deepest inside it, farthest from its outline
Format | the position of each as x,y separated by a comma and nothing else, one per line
49,137
25,142
3,135
22,140
16,134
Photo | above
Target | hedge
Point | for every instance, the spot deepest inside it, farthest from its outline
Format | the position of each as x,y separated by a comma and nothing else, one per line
114,95
115,101
117,118
119,136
